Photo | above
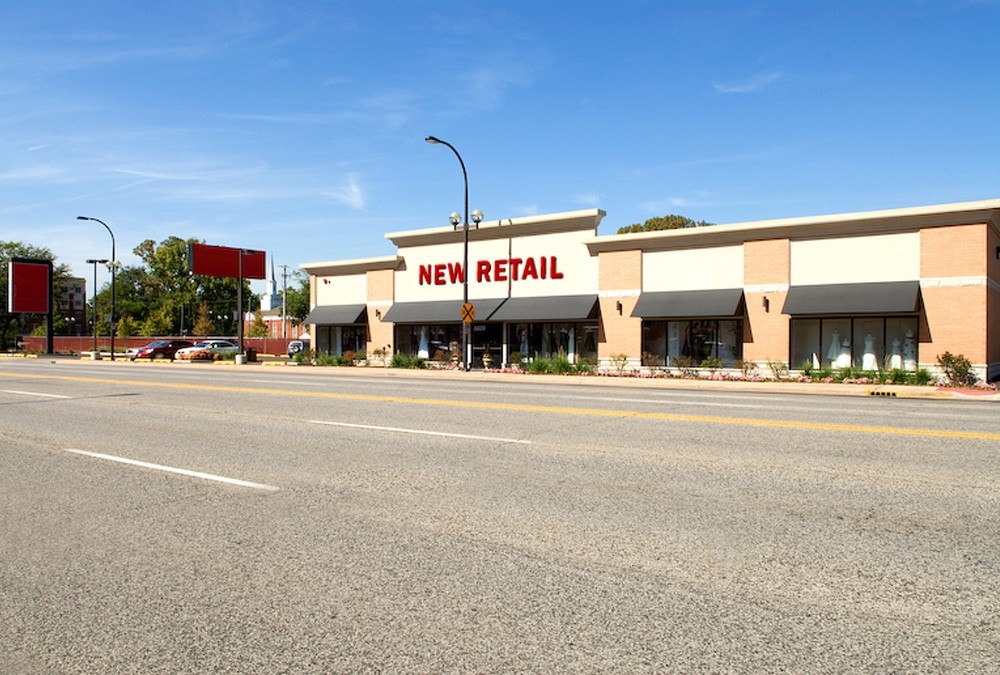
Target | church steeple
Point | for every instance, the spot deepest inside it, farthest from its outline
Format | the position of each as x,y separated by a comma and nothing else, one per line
270,299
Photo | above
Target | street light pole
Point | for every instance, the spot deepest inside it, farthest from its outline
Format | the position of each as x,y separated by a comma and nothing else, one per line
95,262
113,264
477,216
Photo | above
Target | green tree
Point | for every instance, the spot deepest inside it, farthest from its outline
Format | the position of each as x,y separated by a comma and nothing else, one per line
668,222
258,328
126,326
297,298
203,325
158,322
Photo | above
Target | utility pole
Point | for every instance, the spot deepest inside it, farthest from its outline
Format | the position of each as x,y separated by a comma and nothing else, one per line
284,302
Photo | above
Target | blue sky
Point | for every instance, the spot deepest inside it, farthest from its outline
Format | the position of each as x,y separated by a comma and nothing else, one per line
298,127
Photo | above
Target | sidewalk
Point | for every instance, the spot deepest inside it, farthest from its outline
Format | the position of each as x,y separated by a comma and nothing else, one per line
765,387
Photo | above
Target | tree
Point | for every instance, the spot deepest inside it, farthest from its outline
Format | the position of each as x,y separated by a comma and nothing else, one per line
158,322
203,326
668,222
12,324
258,328
297,299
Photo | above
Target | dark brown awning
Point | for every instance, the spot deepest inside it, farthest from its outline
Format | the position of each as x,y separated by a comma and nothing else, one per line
336,315
439,311
891,297
677,304
552,308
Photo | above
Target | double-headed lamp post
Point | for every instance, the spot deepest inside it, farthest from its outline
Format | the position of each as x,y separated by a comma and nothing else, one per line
95,262
113,266
455,218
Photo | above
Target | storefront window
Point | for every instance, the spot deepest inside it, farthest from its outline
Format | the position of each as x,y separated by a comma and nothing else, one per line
341,340
673,343
587,345
654,343
866,343
432,342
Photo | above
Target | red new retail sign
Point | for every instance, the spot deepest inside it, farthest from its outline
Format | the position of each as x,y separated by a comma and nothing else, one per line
224,261
29,282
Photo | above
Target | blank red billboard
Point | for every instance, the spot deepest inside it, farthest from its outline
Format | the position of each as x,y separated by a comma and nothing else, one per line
28,286
224,261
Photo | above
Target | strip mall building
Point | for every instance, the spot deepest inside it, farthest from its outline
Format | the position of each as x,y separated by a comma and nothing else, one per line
876,289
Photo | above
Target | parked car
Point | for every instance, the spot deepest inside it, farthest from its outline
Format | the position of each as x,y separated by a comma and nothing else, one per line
206,350
160,349
296,346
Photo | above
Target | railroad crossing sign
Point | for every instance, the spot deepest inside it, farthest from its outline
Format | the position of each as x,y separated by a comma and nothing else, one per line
468,313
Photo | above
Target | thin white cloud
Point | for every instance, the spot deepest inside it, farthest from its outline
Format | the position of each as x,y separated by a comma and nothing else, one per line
754,84
349,194
588,199
487,85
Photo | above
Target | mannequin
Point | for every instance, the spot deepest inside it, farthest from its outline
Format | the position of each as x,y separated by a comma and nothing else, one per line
844,360
868,359
909,352
896,357
834,351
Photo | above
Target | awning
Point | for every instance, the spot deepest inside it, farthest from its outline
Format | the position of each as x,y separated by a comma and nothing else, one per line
891,297
552,308
676,304
439,311
335,315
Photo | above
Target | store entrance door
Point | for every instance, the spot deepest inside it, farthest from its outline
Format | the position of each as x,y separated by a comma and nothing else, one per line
487,338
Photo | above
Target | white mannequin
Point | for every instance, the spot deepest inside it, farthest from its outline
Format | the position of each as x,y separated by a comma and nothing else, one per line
423,350
844,360
868,360
834,351
896,359
909,352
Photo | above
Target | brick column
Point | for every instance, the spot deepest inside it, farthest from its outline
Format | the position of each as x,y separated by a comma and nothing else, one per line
766,274
619,285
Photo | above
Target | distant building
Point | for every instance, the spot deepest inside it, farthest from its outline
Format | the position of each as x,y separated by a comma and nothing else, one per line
71,304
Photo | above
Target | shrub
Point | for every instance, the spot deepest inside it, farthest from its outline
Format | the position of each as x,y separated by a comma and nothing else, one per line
956,368
650,359
406,361
686,365
619,362
779,369
516,359
713,363
748,368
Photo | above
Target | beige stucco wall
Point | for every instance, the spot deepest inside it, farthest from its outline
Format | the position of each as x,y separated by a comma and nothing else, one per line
348,289
867,259
693,269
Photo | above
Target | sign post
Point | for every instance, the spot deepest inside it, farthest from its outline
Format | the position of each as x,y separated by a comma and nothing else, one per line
29,291
224,261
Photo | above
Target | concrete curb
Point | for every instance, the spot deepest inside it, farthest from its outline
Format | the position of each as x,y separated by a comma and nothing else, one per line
736,386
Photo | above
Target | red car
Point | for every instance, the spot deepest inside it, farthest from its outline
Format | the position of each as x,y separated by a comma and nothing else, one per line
161,349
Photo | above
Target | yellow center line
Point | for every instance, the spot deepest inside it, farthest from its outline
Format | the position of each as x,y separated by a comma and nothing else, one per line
521,407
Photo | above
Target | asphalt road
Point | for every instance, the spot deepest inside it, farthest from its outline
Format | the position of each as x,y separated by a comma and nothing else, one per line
304,520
